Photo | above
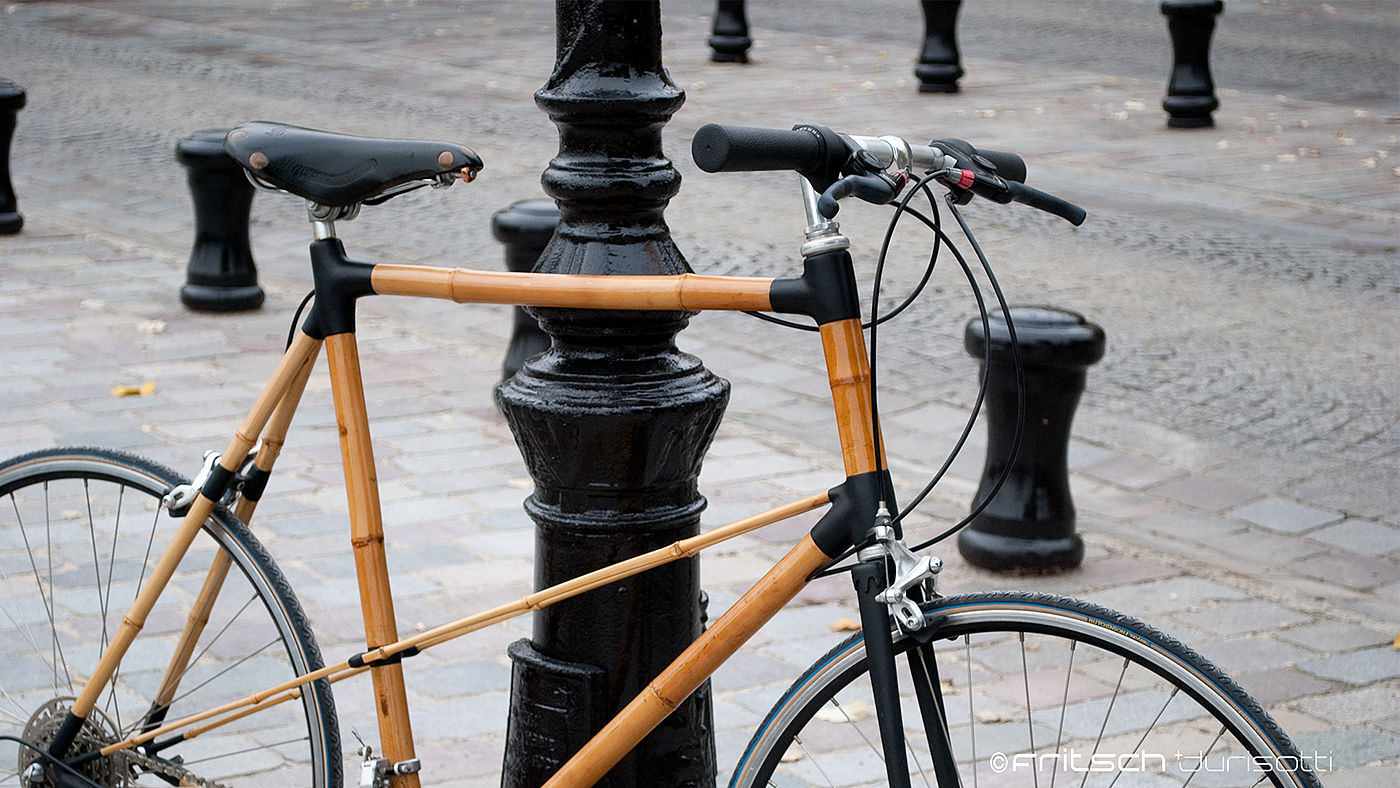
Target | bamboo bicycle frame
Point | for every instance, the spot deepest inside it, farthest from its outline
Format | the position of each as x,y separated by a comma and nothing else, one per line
848,372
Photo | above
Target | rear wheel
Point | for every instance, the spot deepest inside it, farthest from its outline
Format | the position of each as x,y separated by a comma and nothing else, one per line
1038,690
80,530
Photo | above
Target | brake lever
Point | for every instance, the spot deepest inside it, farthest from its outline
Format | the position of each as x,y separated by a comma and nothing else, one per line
875,188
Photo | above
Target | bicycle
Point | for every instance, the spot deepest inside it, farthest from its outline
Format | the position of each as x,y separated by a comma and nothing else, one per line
227,685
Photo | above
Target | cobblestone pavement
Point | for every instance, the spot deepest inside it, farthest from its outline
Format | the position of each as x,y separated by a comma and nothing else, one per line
1236,455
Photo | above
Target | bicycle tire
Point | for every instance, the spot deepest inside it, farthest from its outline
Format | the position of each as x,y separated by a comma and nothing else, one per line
80,529
821,731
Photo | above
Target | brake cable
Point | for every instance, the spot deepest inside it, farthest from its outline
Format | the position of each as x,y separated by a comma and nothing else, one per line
940,236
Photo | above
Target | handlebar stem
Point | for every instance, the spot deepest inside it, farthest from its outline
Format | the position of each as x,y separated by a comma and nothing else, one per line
823,234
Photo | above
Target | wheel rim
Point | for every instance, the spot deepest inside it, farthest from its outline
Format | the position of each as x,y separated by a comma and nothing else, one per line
1095,718
78,534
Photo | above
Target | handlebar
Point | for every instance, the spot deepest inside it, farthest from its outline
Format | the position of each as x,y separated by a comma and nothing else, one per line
839,165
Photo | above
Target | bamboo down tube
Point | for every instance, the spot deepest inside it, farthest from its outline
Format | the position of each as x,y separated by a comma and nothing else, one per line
659,698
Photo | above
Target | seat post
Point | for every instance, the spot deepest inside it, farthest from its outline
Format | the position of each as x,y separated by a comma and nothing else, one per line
324,217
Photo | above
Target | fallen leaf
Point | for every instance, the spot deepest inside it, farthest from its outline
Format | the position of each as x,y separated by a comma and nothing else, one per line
1396,644
151,327
990,716
134,391
844,625
945,687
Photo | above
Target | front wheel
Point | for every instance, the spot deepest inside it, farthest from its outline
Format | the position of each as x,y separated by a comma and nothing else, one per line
1037,690
80,530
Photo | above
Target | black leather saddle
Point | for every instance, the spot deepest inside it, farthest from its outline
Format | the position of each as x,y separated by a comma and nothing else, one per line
338,170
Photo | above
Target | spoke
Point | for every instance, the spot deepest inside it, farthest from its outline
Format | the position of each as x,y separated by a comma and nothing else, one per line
56,649
1204,756
187,764
1030,725
971,714
1118,687
21,626
913,756
1138,747
47,609
56,645
112,557
150,543
1064,701
879,753
16,714
195,660
214,677
815,765
113,705
96,564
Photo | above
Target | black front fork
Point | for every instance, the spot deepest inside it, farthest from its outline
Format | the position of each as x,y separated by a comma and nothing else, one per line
870,581
870,578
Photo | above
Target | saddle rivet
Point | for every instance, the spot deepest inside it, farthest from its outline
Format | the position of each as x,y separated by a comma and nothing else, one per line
445,159
237,135
258,160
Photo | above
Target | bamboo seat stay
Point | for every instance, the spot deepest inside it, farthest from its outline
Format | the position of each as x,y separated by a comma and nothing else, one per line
295,365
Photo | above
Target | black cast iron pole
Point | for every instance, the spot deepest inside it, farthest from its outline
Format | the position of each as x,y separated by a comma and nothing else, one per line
612,420
940,65
1191,92
1029,524
11,102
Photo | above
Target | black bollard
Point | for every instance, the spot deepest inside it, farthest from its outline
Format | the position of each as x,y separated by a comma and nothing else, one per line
1191,92
221,276
612,421
524,229
11,102
730,35
1029,525
940,66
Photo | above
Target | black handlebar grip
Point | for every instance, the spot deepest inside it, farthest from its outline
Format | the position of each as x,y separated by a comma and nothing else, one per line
1009,165
1049,203
719,148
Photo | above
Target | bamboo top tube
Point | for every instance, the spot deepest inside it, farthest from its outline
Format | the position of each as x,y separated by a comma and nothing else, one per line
683,292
